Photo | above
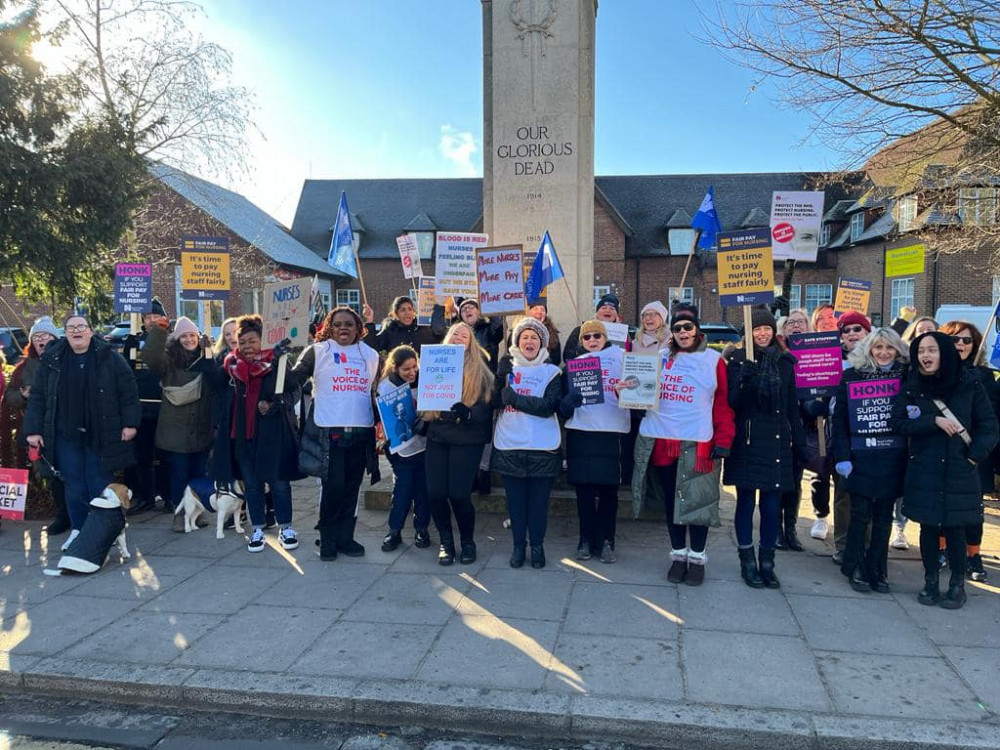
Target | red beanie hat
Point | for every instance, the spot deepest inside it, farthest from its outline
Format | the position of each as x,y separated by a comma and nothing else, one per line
854,318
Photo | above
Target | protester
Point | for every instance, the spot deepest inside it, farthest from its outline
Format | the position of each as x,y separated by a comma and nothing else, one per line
768,433
487,331
607,310
593,442
398,329
228,341
869,457
824,319
902,321
455,441
693,430
539,311
409,488
797,321
919,326
968,341
949,421
653,335
184,427
83,412
339,435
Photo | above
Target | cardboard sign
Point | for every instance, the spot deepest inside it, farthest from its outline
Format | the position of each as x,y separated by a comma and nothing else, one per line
617,332
205,268
133,287
905,261
286,312
796,218
409,256
852,294
746,270
425,300
500,274
818,363
640,379
869,406
398,413
455,264
13,493
586,376
441,367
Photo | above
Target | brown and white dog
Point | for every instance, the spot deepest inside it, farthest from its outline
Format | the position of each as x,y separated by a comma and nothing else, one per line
201,497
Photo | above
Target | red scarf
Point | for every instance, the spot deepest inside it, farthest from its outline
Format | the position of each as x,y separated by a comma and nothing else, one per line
251,373
666,453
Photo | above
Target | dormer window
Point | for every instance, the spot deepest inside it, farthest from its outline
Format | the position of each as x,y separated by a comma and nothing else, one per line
824,234
906,213
857,226
978,206
680,241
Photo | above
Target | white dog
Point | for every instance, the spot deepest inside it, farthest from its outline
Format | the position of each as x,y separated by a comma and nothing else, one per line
201,497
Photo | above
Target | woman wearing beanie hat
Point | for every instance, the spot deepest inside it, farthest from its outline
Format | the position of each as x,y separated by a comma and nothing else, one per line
692,431
399,328
527,390
593,446
653,333
768,432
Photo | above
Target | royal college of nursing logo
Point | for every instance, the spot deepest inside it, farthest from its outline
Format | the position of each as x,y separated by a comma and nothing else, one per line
340,359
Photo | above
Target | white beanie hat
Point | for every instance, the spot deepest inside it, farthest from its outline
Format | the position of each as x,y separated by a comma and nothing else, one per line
659,308
528,322
43,325
183,325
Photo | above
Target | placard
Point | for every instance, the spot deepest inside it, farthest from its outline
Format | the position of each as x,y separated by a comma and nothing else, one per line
617,332
746,269
818,363
409,256
869,406
133,287
205,268
455,264
500,275
852,294
796,218
639,381
425,300
440,385
586,376
286,312
13,493
905,261
398,413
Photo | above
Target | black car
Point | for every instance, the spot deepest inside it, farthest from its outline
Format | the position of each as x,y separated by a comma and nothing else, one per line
13,341
720,333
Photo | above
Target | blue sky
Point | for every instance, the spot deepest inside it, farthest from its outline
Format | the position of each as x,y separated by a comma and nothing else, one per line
393,88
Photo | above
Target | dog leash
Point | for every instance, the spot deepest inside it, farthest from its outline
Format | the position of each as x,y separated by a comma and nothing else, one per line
35,454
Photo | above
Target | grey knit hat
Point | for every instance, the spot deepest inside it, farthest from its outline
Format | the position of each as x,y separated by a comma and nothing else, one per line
44,325
536,326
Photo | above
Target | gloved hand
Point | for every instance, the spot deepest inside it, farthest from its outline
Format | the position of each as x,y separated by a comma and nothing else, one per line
719,452
816,407
461,411
913,411
748,370
419,426
282,347
508,396
844,468
572,400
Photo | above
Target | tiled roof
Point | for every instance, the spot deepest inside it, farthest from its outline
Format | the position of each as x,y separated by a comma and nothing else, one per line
679,219
882,227
756,217
838,211
841,240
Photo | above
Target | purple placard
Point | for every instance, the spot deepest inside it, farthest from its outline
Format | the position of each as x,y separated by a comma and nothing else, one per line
869,406
818,363
133,287
585,376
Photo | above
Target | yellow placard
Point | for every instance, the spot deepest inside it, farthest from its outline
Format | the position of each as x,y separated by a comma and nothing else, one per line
205,271
746,268
905,261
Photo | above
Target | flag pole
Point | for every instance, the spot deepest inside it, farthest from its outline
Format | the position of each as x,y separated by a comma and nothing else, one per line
694,243
361,278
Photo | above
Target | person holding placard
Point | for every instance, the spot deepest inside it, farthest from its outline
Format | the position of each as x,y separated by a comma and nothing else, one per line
540,312
607,310
768,433
488,331
949,422
338,438
409,486
455,440
593,447
398,329
868,455
797,321
526,442
692,431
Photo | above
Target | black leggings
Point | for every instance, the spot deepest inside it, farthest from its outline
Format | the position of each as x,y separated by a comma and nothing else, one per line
870,558
597,508
451,471
678,532
338,501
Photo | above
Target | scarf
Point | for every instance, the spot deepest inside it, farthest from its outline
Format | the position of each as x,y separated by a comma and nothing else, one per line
519,359
668,451
251,373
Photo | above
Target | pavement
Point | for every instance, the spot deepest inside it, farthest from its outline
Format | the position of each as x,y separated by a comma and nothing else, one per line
577,651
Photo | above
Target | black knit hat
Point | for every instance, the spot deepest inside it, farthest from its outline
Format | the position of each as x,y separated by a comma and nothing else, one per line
761,316
157,308
608,299
683,311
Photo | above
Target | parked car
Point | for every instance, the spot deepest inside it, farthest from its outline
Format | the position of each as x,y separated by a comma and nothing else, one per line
117,334
720,333
13,341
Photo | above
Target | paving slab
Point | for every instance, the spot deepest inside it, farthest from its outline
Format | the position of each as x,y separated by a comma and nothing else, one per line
623,609
217,590
975,625
21,586
979,667
735,607
48,628
539,595
409,598
145,637
363,649
322,587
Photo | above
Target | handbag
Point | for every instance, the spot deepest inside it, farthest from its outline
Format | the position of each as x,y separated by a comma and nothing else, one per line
182,395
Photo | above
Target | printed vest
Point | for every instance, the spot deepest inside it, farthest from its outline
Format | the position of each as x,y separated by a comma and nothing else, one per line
342,384
519,431
606,417
687,396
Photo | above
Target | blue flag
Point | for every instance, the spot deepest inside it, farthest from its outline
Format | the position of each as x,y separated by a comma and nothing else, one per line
341,254
707,220
544,270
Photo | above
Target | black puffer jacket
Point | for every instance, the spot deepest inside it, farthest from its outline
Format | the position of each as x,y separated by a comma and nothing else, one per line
112,402
148,381
942,486
527,463
992,388
395,334
876,473
762,452
488,332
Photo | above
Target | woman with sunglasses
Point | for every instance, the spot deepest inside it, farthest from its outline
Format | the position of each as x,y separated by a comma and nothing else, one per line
593,446
692,429
968,341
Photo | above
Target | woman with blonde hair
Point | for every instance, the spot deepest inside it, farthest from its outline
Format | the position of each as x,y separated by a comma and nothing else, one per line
455,440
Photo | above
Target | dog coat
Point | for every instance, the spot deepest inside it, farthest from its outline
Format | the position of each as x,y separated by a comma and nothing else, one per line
204,488
89,551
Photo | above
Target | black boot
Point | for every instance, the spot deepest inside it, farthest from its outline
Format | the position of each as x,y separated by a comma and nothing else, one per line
791,534
446,552
327,544
767,569
518,555
780,543
345,542
931,593
955,598
483,482
748,568
858,580
468,555
791,501
392,540
537,556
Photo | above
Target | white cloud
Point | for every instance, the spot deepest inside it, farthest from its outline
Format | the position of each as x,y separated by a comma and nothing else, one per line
459,147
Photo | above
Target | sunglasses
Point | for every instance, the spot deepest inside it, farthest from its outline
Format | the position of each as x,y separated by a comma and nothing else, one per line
682,327
592,336
852,329
967,340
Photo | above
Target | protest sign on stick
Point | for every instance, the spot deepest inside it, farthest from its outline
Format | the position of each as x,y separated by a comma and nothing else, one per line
852,294
500,275
286,312
640,381
455,264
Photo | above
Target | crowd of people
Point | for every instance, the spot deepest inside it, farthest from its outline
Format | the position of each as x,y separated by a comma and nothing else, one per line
82,412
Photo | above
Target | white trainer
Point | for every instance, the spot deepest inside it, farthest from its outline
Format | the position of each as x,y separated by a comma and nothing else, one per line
820,529
899,540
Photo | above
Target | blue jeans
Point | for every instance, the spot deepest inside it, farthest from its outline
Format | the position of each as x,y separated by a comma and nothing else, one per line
409,488
281,493
82,477
770,506
183,468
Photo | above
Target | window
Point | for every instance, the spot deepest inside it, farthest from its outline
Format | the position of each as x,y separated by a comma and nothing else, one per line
195,309
978,206
996,291
351,298
857,225
796,300
679,241
600,291
685,295
824,234
818,294
902,295
425,244
906,213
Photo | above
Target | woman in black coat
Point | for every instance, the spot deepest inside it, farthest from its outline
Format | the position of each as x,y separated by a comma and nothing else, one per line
869,455
398,329
951,427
